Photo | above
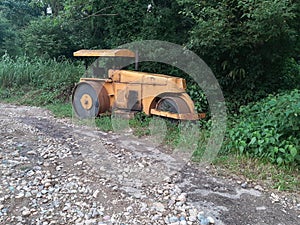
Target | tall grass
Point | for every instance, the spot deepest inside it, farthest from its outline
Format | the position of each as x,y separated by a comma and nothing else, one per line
46,81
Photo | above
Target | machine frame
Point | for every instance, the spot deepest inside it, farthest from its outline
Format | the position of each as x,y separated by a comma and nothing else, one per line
126,91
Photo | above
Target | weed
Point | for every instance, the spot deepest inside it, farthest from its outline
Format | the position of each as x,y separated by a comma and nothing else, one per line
269,129
61,110
259,171
140,124
104,123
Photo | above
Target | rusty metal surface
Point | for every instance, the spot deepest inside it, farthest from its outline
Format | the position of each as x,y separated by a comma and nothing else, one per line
105,53
184,116
176,107
173,104
90,99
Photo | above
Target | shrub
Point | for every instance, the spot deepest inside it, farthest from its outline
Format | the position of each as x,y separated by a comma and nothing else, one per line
269,129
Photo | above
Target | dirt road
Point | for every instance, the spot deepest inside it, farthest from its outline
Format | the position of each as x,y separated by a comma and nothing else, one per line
55,172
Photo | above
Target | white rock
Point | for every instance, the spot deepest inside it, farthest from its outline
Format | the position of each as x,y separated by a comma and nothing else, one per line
32,152
258,187
210,220
26,212
78,163
58,168
156,217
192,218
193,212
275,198
28,194
182,197
158,206
30,173
45,181
95,194
48,184
89,222
260,208
20,195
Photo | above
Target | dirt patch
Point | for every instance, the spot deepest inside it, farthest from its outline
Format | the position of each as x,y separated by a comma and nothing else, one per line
56,172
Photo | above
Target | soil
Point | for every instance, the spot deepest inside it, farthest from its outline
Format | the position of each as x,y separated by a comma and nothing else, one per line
229,201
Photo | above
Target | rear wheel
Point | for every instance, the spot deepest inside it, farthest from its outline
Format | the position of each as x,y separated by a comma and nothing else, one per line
173,104
90,99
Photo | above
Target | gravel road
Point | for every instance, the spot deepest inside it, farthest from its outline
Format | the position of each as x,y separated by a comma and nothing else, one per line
55,172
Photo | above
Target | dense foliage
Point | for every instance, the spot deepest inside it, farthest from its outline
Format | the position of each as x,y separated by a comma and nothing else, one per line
246,42
269,129
47,38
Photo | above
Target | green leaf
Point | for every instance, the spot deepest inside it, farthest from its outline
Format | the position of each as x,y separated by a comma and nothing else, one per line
253,140
279,160
293,151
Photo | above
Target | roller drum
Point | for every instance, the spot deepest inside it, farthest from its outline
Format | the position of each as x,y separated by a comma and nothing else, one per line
90,99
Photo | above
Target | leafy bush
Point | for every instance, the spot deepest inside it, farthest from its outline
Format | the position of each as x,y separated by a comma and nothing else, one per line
198,96
291,71
269,129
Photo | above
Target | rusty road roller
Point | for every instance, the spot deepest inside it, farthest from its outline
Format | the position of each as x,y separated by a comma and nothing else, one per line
126,91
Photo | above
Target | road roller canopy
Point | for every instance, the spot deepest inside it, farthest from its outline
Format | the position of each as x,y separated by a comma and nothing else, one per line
105,53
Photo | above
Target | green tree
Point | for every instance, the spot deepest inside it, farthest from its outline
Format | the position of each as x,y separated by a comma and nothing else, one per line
47,37
6,34
20,12
134,22
246,42
86,20
14,17
112,23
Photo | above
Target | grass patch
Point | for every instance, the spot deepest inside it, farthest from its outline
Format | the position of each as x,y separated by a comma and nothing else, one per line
60,110
140,125
104,123
259,171
38,82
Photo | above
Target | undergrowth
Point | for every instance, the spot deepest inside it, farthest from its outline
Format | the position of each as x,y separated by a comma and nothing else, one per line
259,171
269,129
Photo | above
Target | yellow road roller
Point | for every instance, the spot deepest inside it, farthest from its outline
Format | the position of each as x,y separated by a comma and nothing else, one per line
126,91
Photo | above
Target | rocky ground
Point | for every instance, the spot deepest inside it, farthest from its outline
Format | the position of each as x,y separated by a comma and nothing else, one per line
55,172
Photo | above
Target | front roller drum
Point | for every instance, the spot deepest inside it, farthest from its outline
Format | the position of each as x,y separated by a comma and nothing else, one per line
90,99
